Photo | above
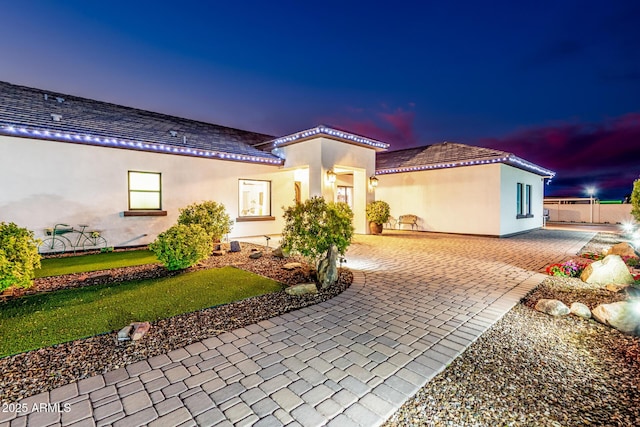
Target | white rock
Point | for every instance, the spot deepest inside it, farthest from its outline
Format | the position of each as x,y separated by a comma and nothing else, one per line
552,307
580,310
622,315
609,270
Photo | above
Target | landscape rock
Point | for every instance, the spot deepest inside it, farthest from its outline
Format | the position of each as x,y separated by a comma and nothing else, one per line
139,329
328,269
280,253
255,255
552,307
292,265
234,246
621,315
217,253
125,333
622,249
581,310
614,287
611,269
302,289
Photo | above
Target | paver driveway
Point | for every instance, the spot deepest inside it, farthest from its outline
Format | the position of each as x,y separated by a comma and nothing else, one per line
418,300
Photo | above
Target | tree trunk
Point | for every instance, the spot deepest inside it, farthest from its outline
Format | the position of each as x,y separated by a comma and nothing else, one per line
327,268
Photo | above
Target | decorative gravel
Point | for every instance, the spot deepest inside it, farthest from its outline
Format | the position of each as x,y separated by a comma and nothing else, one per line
40,370
531,369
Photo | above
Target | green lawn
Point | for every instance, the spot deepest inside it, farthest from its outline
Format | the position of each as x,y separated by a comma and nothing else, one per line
94,262
43,320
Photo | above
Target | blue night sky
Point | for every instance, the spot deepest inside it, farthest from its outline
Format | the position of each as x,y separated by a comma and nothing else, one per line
554,82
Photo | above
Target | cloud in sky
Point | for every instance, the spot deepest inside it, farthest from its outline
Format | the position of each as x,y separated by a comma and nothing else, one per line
395,126
605,154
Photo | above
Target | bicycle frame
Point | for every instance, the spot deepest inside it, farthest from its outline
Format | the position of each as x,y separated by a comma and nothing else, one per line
86,240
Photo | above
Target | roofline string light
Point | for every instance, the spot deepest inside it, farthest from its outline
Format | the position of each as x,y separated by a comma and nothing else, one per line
329,131
507,159
141,146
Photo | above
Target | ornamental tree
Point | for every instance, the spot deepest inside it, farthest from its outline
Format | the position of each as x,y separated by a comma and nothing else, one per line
319,231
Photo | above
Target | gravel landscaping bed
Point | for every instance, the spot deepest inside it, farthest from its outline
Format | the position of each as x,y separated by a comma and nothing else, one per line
531,369
40,370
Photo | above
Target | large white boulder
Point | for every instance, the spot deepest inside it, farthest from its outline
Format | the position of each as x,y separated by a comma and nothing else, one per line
622,315
611,269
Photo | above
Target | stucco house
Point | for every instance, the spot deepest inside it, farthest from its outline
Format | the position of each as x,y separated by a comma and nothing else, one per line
127,172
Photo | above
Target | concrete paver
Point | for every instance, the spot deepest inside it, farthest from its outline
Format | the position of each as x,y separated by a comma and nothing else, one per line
417,301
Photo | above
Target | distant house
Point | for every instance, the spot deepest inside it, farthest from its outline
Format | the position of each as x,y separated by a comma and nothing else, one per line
126,171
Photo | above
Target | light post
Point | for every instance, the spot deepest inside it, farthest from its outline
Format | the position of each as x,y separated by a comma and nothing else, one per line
591,191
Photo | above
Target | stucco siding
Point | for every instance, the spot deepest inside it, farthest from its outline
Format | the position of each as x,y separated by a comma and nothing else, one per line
509,178
49,182
457,200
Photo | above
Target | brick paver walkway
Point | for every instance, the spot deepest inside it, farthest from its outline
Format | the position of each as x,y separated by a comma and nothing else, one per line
418,300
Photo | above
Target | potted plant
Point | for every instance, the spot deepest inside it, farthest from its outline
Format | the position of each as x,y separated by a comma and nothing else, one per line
378,213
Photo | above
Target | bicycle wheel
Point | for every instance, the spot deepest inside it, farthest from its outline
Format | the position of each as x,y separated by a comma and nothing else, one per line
51,246
94,243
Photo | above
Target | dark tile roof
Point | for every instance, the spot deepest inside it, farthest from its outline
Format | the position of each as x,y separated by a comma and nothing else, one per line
37,110
447,155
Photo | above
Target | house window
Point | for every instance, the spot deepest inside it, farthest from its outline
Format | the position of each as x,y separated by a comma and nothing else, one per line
523,201
345,195
254,198
144,191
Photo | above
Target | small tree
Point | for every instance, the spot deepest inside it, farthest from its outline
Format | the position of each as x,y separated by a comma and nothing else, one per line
19,256
635,200
319,231
182,246
209,215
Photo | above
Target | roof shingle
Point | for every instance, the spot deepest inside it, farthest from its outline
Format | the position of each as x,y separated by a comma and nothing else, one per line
33,108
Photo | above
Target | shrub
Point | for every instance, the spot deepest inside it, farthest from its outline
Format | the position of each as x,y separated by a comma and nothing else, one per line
182,246
19,256
378,212
316,230
209,215
635,200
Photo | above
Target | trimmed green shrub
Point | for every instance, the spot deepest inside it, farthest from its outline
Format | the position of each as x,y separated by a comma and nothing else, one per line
210,215
635,200
19,256
182,246
317,230
378,212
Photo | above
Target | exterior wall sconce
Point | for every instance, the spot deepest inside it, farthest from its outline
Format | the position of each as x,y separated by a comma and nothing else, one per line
331,176
373,181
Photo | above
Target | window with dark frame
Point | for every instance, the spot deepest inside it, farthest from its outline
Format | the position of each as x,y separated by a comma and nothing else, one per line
523,201
145,191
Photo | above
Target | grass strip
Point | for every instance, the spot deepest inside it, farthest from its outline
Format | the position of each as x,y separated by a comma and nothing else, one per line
94,262
46,319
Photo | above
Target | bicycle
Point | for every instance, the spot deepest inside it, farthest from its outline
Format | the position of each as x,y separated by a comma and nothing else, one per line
58,243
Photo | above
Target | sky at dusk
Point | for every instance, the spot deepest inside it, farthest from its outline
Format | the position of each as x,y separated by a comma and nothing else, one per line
554,82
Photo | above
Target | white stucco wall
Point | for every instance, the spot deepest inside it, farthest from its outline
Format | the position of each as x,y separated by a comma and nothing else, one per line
509,223
45,182
469,200
610,214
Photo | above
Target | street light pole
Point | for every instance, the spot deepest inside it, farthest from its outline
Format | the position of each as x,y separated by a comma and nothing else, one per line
591,191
